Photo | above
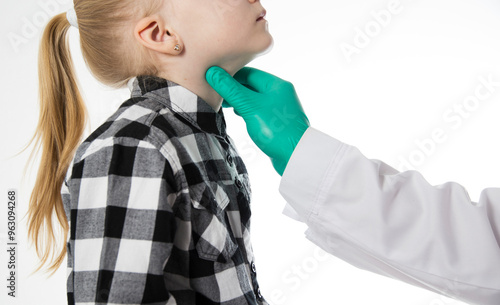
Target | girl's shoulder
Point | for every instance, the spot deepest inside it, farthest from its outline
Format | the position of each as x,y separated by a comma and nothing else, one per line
138,123
129,125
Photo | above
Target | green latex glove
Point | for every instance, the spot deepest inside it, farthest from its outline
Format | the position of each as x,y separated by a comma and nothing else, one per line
270,107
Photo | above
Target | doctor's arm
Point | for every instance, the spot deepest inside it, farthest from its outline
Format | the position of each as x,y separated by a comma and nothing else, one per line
363,211
395,223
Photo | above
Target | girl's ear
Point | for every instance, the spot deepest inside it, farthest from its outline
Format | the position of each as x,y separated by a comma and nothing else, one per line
152,33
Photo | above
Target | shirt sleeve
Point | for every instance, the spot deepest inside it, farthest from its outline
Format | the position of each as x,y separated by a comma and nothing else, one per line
122,225
395,223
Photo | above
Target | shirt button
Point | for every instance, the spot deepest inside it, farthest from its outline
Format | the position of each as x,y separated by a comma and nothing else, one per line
229,160
238,183
259,295
254,270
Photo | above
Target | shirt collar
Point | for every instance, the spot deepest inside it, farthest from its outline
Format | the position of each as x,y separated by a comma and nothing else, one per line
181,102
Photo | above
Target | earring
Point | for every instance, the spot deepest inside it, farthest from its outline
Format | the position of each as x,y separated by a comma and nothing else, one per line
177,47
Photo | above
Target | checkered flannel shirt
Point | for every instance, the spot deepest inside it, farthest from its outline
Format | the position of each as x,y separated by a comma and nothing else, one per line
158,202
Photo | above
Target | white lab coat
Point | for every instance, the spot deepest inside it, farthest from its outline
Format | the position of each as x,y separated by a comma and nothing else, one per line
395,223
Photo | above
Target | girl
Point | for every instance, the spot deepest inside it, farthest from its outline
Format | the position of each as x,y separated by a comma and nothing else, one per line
156,200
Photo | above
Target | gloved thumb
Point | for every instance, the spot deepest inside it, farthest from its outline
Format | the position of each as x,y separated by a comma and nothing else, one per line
227,87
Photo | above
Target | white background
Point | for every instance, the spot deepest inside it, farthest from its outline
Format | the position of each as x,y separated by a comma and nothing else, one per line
390,95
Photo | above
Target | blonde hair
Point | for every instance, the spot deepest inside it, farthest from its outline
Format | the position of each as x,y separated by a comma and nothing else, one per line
113,57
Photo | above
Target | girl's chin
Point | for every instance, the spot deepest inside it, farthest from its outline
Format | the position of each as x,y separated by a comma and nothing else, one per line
269,47
233,63
264,48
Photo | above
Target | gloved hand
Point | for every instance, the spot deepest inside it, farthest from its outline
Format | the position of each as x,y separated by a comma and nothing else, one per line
270,107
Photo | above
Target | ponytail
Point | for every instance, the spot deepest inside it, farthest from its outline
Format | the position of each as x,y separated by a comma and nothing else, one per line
113,59
61,124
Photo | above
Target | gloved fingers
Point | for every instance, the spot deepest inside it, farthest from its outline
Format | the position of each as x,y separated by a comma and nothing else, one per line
227,87
259,80
227,105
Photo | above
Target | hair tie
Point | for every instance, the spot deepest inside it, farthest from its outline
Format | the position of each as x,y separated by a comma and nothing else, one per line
71,16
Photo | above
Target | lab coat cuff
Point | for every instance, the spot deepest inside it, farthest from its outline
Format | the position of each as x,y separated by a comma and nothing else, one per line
308,174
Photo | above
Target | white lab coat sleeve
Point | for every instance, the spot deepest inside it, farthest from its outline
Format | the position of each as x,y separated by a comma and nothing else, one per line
395,223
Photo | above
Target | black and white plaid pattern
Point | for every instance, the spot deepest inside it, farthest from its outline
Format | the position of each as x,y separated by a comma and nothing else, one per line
159,206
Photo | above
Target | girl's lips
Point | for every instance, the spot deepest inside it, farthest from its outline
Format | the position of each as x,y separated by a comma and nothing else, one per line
262,15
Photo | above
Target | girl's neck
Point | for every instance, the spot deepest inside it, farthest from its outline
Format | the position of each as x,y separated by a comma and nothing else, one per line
190,73
196,83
